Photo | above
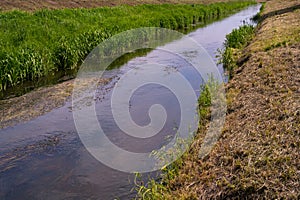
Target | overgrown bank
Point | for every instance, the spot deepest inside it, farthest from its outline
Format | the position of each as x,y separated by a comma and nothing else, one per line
31,5
34,45
258,154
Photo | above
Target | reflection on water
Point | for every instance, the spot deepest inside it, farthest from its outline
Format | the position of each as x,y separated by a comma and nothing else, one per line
44,158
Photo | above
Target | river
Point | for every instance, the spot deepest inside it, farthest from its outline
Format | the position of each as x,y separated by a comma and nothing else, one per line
45,159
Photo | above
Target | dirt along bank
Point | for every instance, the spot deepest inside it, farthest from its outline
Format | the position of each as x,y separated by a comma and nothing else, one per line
258,154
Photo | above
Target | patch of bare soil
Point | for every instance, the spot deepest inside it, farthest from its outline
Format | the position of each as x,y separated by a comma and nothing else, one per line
31,5
258,154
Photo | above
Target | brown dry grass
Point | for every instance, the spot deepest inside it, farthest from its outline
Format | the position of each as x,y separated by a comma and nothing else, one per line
258,154
31,5
281,29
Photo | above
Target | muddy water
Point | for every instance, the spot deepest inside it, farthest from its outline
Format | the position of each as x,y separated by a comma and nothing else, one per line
44,158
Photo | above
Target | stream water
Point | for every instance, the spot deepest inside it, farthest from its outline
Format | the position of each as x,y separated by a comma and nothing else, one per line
45,159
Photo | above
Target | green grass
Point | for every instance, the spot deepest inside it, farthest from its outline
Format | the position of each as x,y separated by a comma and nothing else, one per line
239,37
34,45
235,41
237,168
257,17
161,188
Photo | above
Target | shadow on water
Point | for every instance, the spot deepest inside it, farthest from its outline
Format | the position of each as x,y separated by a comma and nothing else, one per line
44,158
61,76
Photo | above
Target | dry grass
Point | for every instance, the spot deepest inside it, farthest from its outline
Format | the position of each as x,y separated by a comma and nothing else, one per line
258,154
282,29
31,5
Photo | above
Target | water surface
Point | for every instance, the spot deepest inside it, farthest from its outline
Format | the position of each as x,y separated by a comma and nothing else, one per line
44,158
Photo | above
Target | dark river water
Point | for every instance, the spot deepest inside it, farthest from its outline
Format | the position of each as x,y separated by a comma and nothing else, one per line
45,159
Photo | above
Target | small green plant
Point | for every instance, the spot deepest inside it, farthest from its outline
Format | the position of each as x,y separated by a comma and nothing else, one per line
204,101
235,41
155,188
160,188
258,16
239,37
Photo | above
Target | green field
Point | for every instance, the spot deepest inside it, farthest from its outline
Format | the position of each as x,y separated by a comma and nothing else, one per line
37,44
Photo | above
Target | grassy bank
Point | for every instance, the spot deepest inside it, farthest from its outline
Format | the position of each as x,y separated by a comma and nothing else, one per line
234,43
170,176
31,5
34,45
257,156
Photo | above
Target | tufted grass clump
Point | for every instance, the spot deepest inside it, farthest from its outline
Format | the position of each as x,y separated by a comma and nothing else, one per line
235,41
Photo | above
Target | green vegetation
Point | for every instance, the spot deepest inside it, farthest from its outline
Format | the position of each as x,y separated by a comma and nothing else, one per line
257,155
257,17
234,42
34,45
239,37
161,188
158,188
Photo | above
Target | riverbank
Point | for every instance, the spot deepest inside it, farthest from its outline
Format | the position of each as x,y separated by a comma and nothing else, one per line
32,5
54,54
257,155
37,45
